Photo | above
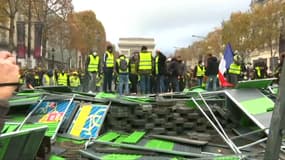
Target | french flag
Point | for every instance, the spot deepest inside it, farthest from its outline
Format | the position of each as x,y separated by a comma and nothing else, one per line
225,63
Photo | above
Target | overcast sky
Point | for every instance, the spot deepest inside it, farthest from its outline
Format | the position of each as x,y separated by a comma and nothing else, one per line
171,22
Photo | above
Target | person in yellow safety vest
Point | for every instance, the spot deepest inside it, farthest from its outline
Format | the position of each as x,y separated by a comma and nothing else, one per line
49,79
108,69
122,68
260,70
145,69
92,69
74,81
133,73
21,77
160,71
199,73
37,78
235,70
62,78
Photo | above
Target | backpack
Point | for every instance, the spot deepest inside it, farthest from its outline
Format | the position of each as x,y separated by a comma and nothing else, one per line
123,65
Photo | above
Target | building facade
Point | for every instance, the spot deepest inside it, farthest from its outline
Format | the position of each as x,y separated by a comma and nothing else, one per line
127,46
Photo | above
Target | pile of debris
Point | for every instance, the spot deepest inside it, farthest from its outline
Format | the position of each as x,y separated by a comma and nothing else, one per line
226,124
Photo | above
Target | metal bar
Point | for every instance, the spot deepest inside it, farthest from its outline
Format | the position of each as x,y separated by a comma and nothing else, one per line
212,123
249,133
219,125
253,143
61,120
89,155
30,114
179,153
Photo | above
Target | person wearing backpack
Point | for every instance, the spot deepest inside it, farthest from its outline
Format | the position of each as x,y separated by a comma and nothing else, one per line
122,68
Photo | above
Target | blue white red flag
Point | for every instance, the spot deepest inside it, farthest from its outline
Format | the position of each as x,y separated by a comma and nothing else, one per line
225,63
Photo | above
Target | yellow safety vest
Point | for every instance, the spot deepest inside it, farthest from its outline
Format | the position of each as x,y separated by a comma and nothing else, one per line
258,70
47,80
37,80
133,68
200,71
62,79
93,63
145,61
37,77
119,60
21,79
99,82
235,69
110,60
156,64
74,81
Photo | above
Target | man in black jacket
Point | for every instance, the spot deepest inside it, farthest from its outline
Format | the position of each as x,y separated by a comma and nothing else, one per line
212,71
160,69
8,82
174,73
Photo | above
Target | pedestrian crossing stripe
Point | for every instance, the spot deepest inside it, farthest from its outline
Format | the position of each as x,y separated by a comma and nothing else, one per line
80,121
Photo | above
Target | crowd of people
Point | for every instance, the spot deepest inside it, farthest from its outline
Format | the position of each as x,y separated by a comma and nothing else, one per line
141,73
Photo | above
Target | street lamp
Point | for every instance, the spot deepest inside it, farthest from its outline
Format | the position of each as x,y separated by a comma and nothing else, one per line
52,57
197,36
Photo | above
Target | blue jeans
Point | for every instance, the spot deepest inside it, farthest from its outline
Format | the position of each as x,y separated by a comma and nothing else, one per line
174,83
145,84
160,82
123,81
199,81
211,83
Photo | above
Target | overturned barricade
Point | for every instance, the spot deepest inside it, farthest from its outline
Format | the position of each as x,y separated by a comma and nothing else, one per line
194,124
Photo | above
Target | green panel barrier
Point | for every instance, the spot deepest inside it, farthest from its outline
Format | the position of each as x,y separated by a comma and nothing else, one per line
195,89
4,145
9,127
105,95
121,139
259,83
138,99
24,100
259,105
63,139
54,157
160,144
227,158
275,90
108,137
134,137
121,157
16,118
50,131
